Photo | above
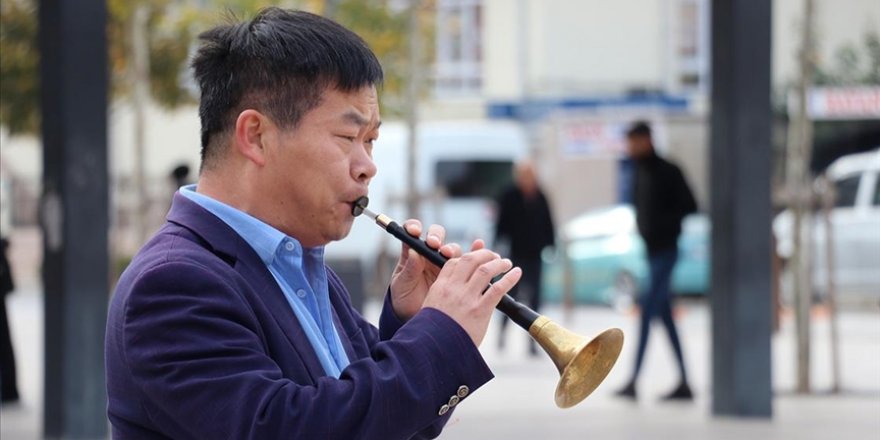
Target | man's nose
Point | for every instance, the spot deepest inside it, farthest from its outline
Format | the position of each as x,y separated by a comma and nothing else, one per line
363,167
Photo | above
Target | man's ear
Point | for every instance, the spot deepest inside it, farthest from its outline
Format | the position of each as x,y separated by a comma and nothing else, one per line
251,129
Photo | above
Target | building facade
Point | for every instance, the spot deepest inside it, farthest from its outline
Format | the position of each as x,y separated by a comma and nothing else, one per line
575,73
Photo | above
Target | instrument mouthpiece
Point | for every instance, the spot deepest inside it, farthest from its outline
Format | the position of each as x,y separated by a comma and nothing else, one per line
358,206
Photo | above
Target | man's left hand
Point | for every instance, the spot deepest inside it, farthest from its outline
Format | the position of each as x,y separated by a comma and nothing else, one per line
414,274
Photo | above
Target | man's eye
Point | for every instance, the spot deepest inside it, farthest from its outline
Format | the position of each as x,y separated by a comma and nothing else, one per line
348,138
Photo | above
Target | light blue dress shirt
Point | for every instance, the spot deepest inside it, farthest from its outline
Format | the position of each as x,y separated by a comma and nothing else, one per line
299,272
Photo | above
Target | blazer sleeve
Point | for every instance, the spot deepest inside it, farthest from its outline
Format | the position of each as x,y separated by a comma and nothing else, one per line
389,323
195,349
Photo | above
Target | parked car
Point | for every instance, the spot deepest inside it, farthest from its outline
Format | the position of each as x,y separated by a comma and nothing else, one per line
855,227
606,257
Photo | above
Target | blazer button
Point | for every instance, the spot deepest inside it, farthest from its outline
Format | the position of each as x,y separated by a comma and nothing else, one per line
463,391
453,401
443,410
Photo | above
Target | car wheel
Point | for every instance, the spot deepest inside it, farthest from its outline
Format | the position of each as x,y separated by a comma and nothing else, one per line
625,291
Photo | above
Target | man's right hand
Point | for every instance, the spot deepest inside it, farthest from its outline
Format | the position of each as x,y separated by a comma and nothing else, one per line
460,289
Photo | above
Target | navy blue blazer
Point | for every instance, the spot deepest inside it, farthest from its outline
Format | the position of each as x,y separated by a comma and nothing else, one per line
202,344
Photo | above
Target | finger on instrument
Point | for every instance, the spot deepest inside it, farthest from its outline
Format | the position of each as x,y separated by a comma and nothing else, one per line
436,236
488,270
499,288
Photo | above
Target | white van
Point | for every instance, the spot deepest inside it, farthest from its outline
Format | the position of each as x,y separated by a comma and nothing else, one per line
461,168
855,222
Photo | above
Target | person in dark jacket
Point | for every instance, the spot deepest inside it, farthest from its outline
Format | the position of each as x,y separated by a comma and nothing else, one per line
525,224
661,198
8,386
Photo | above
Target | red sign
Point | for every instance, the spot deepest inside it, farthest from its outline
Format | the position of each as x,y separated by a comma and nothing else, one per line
845,103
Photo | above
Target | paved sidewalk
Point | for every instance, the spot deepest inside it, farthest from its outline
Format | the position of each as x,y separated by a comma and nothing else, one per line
518,404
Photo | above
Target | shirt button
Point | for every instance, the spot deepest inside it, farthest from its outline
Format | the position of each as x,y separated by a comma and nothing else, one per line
289,246
301,293
463,391
443,410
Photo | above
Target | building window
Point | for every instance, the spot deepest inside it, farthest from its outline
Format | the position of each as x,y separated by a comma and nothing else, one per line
690,51
458,70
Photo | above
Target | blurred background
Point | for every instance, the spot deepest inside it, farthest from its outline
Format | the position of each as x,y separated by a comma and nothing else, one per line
472,86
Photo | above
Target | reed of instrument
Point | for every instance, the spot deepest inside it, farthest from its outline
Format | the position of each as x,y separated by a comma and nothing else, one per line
582,364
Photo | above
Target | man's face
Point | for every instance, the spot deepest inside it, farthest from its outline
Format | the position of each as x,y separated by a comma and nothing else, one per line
638,146
315,171
526,179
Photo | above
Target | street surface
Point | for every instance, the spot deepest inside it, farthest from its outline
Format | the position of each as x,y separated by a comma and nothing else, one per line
518,404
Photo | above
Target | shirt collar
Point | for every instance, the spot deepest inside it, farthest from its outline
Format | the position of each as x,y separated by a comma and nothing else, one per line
262,237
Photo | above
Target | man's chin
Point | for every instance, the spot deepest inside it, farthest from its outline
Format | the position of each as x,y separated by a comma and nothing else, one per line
342,231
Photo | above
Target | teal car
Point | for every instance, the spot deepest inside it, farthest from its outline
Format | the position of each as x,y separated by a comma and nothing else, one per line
604,259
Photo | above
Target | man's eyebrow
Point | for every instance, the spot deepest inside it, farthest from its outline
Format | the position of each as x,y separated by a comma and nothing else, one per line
358,119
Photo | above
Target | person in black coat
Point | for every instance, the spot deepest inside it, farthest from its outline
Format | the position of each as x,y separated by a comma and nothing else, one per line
661,199
8,388
525,225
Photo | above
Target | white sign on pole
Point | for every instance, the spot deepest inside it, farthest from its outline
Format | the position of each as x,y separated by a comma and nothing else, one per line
592,138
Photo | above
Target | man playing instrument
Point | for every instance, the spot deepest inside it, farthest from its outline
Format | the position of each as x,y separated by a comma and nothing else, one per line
228,324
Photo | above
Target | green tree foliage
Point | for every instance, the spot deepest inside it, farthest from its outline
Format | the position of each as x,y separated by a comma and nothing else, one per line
382,26
172,28
853,64
872,49
19,64
385,30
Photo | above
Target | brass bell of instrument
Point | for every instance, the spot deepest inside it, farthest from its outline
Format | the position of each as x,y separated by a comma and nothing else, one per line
582,364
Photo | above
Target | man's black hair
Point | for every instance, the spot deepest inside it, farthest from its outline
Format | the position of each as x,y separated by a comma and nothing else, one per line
639,128
278,63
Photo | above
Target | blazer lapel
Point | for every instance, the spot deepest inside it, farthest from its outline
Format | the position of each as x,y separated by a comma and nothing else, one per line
344,337
225,242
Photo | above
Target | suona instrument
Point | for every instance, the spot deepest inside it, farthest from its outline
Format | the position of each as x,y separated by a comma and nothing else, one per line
582,364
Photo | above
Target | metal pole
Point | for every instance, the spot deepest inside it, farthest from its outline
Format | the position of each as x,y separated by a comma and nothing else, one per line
74,215
740,173
828,198
412,116
140,77
800,135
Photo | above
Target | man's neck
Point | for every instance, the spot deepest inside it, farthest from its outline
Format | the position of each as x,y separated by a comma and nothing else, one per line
214,188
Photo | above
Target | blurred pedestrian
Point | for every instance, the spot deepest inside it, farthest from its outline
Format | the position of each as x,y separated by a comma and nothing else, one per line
662,199
8,380
525,226
180,176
